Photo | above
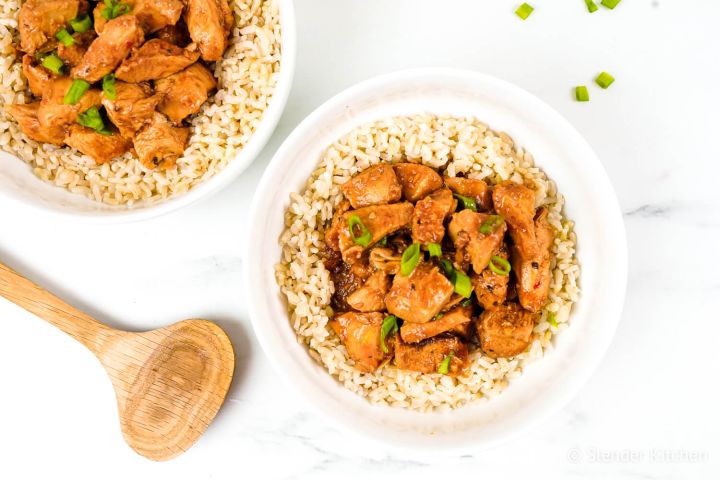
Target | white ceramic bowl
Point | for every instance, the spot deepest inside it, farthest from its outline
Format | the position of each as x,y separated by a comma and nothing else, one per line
548,384
19,186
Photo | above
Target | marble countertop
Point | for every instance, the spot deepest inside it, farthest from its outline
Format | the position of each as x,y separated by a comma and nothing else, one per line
650,410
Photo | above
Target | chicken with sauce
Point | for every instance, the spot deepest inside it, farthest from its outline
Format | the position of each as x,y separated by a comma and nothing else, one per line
428,268
117,76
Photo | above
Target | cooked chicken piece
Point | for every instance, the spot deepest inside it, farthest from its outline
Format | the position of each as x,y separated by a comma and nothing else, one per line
73,55
54,115
102,148
385,259
428,356
470,187
490,287
371,296
420,296
40,20
417,180
347,279
156,14
26,116
533,271
516,203
133,107
159,143
416,332
155,59
332,234
176,34
360,332
471,245
38,77
185,92
429,216
379,220
98,20
373,186
118,37
505,331
209,23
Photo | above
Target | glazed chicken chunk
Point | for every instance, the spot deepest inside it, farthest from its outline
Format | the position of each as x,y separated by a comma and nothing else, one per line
102,148
516,204
429,216
533,271
472,245
444,322
159,143
133,107
420,296
156,14
27,117
360,333
472,188
40,20
72,55
38,77
371,296
417,180
185,92
156,59
118,37
209,23
375,185
55,116
490,287
505,331
427,356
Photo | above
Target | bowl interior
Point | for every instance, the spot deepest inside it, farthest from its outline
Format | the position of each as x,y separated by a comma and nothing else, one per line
547,384
20,185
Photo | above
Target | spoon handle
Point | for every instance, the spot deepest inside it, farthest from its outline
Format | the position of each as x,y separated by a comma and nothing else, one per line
79,325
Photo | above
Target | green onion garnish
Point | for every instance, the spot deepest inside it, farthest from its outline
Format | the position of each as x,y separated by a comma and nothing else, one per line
466,302
447,267
609,3
91,118
382,242
410,259
108,85
65,38
113,9
438,316
489,225
81,24
604,80
551,319
581,94
462,284
591,6
466,202
444,367
524,11
76,91
435,249
389,328
365,236
53,63
500,266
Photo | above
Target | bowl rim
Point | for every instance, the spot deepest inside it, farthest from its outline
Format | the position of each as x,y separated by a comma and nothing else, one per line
251,269
244,158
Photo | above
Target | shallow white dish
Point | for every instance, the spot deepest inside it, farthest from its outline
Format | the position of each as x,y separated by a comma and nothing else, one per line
546,385
19,186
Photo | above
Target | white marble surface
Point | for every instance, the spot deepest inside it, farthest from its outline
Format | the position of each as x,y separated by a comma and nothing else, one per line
650,411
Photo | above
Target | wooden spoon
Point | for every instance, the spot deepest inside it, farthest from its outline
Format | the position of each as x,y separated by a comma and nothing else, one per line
169,382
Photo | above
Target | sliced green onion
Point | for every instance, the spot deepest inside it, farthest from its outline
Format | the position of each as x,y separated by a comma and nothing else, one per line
524,11
65,38
609,3
91,118
444,367
108,85
438,316
466,202
410,259
462,284
114,10
489,225
76,91
447,267
81,24
551,319
604,80
389,328
382,242
466,302
500,266
435,249
365,236
53,63
592,8
581,94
